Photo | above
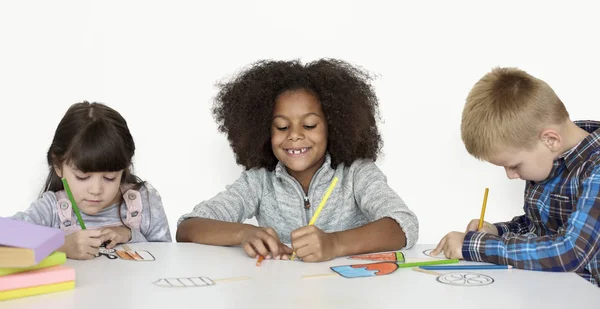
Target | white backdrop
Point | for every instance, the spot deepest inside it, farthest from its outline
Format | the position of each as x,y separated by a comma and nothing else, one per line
157,63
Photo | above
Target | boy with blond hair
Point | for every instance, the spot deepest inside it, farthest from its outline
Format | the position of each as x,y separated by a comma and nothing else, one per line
514,120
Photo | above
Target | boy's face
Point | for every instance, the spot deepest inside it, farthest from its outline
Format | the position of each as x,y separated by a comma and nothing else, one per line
299,133
92,192
532,164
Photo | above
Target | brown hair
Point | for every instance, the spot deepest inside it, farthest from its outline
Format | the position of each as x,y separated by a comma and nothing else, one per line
508,107
94,138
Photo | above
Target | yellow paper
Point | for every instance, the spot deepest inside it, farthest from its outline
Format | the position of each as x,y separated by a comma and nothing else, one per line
56,258
37,290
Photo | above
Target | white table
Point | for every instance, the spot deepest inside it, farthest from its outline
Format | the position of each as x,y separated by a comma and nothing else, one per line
104,283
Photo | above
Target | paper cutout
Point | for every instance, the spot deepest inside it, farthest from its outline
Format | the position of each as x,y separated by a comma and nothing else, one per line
186,282
383,256
365,270
465,279
138,255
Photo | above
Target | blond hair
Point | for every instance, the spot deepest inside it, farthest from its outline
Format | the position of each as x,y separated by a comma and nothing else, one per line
508,108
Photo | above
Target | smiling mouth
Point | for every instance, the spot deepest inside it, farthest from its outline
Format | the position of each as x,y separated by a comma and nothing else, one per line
296,151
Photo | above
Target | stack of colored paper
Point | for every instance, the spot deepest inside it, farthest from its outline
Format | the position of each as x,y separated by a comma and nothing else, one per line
29,262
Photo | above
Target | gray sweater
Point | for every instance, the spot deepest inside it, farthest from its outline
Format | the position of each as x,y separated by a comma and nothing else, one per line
153,227
277,200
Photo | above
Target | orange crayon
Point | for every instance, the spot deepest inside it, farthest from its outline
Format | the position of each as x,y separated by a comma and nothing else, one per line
260,259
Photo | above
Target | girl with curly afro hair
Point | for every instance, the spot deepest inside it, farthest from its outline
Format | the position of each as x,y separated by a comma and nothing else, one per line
295,128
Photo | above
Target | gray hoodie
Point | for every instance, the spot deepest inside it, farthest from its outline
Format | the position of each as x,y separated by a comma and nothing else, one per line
277,200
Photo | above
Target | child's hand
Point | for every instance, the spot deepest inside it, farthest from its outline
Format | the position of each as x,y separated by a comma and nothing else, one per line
451,245
82,245
116,235
313,245
264,241
486,228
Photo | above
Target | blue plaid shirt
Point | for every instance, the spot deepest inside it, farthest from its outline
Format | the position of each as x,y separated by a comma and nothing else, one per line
560,230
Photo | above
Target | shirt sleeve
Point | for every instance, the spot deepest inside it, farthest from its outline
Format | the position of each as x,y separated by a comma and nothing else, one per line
237,203
377,200
41,212
570,250
518,225
155,225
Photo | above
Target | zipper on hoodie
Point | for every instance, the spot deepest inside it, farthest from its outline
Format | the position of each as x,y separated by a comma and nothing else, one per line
305,197
306,202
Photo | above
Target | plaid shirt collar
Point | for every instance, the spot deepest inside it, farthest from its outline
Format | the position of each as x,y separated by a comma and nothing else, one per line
580,152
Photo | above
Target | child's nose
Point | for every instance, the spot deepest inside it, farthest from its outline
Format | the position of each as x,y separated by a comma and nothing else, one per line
512,174
295,134
95,187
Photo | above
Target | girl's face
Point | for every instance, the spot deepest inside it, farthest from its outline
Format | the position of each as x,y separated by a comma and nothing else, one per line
299,133
92,192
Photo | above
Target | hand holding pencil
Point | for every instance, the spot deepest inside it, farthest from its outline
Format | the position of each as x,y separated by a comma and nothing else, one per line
487,227
451,244
311,243
479,224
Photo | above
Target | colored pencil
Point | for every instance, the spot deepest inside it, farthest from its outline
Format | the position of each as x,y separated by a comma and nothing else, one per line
259,260
465,267
321,205
75,208
485,196
427,263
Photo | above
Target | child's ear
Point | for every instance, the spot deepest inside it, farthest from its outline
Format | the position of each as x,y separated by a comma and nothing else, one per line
57,167
57,170
551,139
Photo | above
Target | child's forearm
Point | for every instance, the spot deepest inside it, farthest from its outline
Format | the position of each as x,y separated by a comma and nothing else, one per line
382,235
211,232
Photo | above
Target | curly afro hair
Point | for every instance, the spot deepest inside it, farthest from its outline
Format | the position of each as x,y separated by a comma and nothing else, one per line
244,106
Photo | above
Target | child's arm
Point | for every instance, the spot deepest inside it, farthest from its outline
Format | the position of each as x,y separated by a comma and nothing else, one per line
568,251
41,212
378,201
254,240
392,225
519,225
202,230
218,221
314,245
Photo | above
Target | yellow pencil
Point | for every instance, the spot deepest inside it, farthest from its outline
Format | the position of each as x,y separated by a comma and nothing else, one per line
323,201
485,195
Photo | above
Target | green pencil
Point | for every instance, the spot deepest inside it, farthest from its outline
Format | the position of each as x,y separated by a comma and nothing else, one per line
75,208
424,263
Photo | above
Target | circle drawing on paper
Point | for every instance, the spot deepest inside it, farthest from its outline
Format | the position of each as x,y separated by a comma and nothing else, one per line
427,252
465,279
